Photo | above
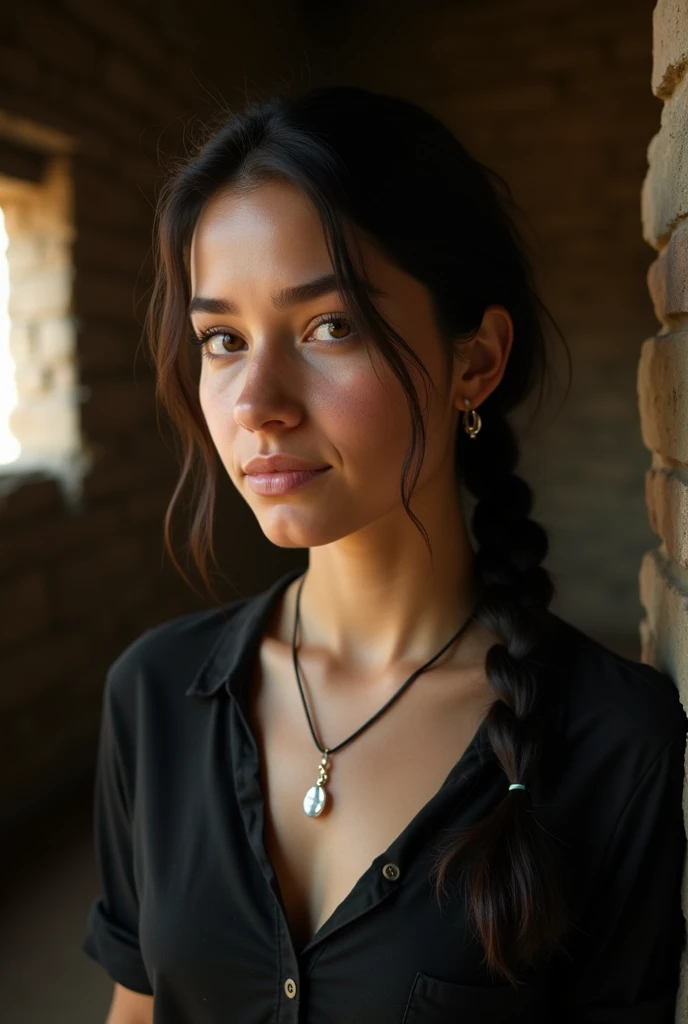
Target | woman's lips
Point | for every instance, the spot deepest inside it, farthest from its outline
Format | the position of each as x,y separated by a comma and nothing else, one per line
282,483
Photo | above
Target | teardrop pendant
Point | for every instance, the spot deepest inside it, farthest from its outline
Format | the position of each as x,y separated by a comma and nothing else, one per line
316,797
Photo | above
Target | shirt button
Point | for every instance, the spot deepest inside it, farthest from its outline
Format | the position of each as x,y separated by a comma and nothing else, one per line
391,871
290,987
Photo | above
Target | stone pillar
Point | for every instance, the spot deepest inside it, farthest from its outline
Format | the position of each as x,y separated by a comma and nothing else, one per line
663,373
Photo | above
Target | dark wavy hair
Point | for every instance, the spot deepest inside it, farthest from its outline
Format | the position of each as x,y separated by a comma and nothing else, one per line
395,170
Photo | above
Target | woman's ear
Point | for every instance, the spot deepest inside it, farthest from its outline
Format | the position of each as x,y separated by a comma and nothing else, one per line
480,363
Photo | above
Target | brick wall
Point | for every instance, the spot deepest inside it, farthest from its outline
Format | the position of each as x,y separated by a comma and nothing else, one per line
81,565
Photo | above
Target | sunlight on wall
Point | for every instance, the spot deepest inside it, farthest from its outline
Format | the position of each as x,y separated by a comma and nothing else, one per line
9,446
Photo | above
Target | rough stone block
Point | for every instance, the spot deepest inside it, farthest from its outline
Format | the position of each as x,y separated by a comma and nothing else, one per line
664,196
22,339
667,277
666,494
669,46
56,340
48,423
41,293
663,394
664,630
30,380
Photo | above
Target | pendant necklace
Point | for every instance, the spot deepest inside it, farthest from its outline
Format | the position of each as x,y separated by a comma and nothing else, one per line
315,799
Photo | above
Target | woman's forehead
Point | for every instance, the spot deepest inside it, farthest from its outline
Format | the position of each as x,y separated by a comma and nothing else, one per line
268,231
271,237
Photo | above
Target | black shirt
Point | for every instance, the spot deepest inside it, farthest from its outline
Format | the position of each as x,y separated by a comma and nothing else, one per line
190,908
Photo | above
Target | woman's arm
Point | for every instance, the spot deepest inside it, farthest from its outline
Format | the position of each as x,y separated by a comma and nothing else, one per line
129,1007
111,937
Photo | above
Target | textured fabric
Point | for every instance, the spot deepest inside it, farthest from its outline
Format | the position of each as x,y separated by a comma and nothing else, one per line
190,908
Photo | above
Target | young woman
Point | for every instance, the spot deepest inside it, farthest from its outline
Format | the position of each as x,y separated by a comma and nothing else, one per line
393,787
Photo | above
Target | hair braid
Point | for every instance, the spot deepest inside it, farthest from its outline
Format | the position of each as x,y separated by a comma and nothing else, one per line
514,591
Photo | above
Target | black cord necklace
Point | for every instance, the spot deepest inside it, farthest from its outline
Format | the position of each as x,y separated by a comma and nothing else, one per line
316,797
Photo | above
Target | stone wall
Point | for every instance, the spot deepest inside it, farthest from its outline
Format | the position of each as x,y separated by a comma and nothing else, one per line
663,368
663,373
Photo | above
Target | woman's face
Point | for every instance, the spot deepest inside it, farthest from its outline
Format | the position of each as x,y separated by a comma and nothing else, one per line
280,381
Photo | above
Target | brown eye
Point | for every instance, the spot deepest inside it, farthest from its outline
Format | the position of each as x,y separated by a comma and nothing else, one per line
223,336
212,349
332,325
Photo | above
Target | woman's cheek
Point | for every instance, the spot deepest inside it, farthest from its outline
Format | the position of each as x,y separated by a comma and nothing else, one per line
217,408
368,419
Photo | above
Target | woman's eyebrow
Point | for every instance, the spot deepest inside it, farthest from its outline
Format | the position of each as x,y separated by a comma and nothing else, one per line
283,299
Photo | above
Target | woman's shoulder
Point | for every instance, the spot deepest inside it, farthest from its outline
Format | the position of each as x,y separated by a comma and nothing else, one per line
165,657
608,700
193,653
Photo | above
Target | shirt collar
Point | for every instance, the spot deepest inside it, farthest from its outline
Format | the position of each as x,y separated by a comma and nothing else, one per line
238,642
233,652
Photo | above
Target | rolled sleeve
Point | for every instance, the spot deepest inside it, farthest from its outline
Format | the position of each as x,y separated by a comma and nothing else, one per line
627,964
111,936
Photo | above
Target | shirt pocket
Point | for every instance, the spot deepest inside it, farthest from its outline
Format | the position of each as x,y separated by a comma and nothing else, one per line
438,1002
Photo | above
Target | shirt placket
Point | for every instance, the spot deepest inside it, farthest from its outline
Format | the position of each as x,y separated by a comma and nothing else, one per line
376,884
381,880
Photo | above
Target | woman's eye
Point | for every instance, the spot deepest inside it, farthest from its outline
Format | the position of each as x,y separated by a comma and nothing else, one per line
221,345
330,329
330,334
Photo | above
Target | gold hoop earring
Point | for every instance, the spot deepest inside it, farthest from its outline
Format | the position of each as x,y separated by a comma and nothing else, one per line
471,426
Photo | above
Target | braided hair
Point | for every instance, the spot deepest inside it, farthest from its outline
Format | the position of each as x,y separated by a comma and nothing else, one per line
399,173
508,851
